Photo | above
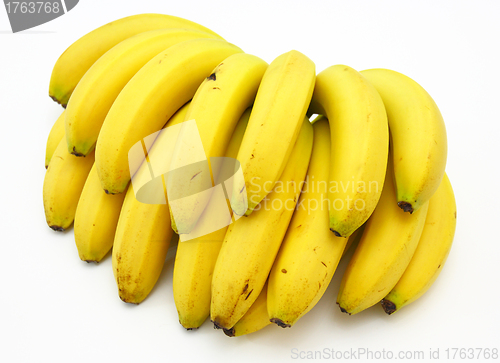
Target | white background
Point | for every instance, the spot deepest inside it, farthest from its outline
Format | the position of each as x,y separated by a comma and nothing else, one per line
57,308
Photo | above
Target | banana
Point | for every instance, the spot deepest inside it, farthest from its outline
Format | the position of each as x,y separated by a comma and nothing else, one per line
252,243
256,318
310,253
140,247
96,219
418,136
360,141
143,232
144,105
55,136
216,107
195,258
83,53
386,247
99,87
432,250
280,106
62,186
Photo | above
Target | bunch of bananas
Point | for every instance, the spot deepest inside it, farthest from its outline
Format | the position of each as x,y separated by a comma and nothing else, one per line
368,170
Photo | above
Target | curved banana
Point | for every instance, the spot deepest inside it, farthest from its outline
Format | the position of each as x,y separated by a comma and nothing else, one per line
216,107
418,136
386,247
256,318
99,87
63,185
96,219
195,258
79,57
55,136
310,253
432,250
252,243
143,232
162,86
280,106
360,142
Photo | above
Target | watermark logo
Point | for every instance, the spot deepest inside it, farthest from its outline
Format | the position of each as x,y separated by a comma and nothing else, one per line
29,14
207,194
174,169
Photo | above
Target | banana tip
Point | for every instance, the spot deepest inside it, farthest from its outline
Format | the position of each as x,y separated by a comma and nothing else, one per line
92,261
229,332
388,306
344,310
128,301
405,206
54,98
280,323
217,325
57,228
76,153
335,232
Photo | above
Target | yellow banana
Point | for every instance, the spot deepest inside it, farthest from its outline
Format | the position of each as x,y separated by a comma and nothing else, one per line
83,53
162,86
252,243
217,106
432,250
386,247
418,136
360,141
99,87
256,318
62,186
195,258
280,106
96,219
310,253
55,136
143,232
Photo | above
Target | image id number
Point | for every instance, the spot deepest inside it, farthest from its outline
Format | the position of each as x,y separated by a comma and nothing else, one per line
471,353
32,7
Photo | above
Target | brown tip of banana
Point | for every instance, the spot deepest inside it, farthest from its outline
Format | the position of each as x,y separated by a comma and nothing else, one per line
92,261
405,206
54,99
57,101
217,325
76,153
335,232
344,310
125,300
191,329
280,323
229,332
57,228
388,306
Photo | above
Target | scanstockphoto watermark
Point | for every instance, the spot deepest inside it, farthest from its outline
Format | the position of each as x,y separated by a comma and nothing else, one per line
205,193
331,195
321,186
387,354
